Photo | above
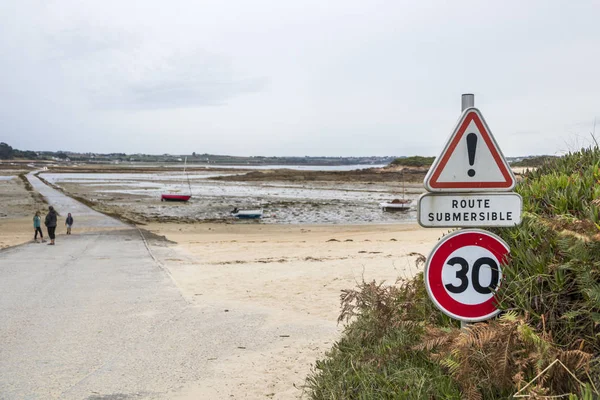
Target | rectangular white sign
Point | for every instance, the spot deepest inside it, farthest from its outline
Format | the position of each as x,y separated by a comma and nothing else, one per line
458,210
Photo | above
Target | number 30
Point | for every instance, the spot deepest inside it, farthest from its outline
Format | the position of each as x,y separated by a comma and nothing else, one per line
464,280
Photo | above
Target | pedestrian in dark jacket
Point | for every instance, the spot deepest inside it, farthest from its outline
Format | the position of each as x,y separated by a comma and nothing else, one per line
69,223
50,223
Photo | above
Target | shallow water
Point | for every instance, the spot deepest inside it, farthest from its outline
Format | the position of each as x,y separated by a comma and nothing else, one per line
294,167
282,202
144,177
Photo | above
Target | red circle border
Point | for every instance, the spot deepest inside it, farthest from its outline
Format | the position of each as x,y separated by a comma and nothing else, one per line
435,263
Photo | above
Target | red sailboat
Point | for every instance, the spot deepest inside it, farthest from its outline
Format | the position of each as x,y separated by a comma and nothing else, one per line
177,196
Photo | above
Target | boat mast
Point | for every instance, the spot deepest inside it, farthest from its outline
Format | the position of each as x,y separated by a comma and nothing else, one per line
403,189
187,176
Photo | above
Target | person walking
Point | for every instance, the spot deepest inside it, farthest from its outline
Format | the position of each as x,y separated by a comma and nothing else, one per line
50,223
69,223
37,226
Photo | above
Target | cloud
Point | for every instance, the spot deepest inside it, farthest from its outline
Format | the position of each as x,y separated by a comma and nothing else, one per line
118,70
79,42
188,93
178,79
312,77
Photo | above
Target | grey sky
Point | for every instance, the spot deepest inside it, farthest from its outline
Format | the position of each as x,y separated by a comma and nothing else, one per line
313,77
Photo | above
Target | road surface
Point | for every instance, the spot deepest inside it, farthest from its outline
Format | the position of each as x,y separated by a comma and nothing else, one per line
98,317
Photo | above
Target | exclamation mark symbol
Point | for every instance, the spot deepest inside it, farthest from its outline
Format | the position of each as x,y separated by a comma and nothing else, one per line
471,148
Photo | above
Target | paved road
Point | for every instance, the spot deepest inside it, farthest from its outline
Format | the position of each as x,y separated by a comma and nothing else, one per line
84,216
96,317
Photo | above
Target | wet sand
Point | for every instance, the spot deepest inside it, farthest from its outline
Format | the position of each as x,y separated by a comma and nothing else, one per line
286,199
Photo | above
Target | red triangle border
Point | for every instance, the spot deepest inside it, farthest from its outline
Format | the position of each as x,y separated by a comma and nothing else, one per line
508,180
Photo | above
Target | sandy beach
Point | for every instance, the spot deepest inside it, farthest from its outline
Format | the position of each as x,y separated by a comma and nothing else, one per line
291,274
19,204
268,264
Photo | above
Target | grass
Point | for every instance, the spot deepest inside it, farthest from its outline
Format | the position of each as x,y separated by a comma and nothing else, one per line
397,345
376,359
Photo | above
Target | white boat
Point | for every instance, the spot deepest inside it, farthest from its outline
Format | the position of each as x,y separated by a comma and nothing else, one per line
247,214
396,205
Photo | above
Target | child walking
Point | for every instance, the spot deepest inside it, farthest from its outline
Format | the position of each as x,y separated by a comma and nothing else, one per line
69,223
37,226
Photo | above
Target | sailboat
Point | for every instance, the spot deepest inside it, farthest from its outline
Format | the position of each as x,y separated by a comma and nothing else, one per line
177,196
402,204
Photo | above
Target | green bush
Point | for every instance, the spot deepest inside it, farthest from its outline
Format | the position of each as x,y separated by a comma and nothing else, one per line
376,358
397,345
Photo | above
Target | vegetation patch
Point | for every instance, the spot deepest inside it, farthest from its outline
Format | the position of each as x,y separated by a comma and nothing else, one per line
37,198
396,345
377,358
533,162
368,175
414,161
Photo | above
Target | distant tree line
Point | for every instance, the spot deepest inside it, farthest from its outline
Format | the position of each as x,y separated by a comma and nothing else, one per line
8,153
414,161
532,162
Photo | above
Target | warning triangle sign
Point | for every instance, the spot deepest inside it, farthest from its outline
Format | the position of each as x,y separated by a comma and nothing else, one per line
471,160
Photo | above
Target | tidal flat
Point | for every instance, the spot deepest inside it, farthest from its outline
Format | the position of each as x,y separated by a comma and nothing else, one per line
289,197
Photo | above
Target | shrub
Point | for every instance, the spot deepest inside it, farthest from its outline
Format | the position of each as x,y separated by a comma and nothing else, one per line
496,358
376,359
547,341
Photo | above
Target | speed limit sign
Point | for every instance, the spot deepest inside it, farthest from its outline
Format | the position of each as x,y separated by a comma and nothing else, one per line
463,272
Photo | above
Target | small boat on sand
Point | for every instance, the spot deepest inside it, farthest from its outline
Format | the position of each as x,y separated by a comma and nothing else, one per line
396,205
402,204
175,197
247,214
